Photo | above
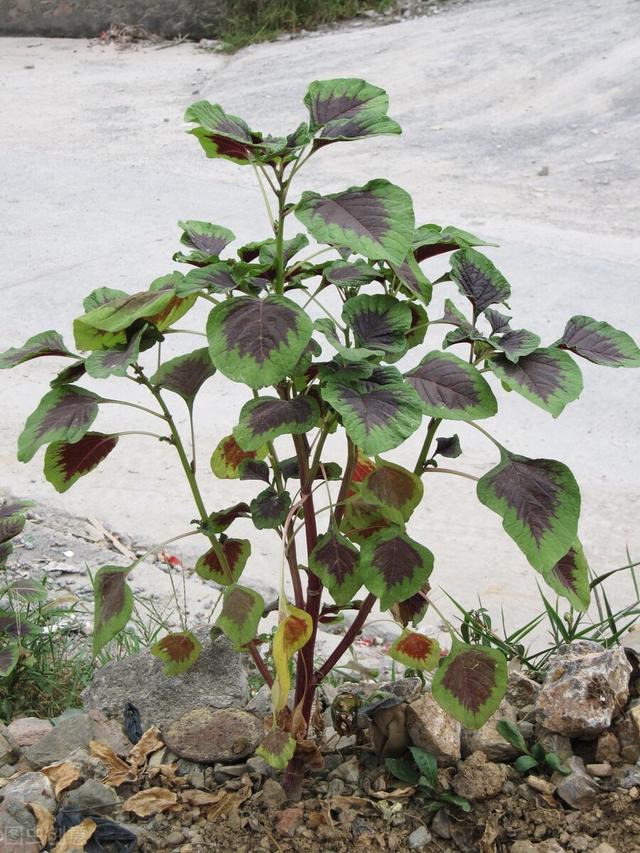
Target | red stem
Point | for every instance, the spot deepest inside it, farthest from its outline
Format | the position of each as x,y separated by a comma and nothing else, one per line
259,662
347,640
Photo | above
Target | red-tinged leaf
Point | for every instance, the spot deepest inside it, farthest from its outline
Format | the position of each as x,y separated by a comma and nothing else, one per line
9,657
430,240
236,552
363,520
65,463
178,652
412,609
220,521
470,683
242,610
221,134
393,488
337,563
228,456
415,650
570,577
293,632
64,414
361,470
394,566
277,749
113,604
46,343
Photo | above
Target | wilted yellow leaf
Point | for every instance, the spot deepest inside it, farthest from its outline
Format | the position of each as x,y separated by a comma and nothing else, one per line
62,775
148,743
119,770
150,802
291,635
76,837
44,823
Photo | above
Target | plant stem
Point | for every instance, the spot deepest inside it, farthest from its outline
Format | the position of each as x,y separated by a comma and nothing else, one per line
161,545
474,320
264,197
486,434
135,406
434,423
351,633
352,455
143,432
282,198
259,662
451,471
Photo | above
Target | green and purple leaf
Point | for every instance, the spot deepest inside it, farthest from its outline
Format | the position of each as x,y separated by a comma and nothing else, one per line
448,446
359,355
46,343
9,657
415,650
337,563
11,524
220,134
228,457
219,521
236,552
64,414
419,324
100,296
451,388
270,508
186,374
290,470
351,274
548,377
242,609
499,322
119,314
265,418
539,503
178,652
570,577
413,279
378,413
257,341
65,463
215,278
600,343
115,361
204,239
430,240
470,683
478,279
516,343
394,489
378,322
412,609
394,566
113,604
346,109
375,220
363,520
277,749
27,589
69,374
254,469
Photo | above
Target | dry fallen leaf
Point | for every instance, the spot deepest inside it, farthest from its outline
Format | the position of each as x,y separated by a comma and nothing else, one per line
196,797
396,794
44,823
62,775
167,773
76,837
148,743
119,770
230,800
150,802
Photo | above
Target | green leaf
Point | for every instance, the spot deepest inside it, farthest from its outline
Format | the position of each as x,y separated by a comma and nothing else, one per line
419,325
455,800
413,279
27,589
426,764
204,239
219,521
600,343
265,418
11,525
430,240
76,370
113,604
65,463
548,377
9,657
115,361
337,563
525,763
352,354
449,447
64,414
236,552
345,109
516,343
412,609
570,577
46,343
415,650
378,413
394,566
379,322
402,769
451,388
553,761
221,134
242,609
121,313
257,341
539,503
394,488
100,296
178,652
375,220
214,278
270,508
470,683
351,273
277,749
185,374
228,457
511,733
478,279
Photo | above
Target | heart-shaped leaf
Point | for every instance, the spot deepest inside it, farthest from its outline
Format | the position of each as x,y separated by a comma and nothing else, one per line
516,344
362,520
337,563
379,322
548,377
242,609
265,418
539,503
186,374
358,355
378,413
257,341
351,274
394,566
221,134
277,749
113,604
375,220
115,361
570,577
46,343
345,109
470,683
269,509
65,462
100,296
236,552
451,388
254,469
600,343
393,488
478,279
215,278
415,650
178,652
9,657
412,609
430,240
293,632
205,240
449,447
64,414
229,456
499,322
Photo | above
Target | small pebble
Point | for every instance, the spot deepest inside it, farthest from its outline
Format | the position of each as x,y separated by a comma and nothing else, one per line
419,838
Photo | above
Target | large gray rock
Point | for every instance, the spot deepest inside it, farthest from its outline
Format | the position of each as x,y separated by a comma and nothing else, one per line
92,797
17,829
210,736
217,680
70,734
9,749
28,730
431,728
487,738
577,790
585,688
31,788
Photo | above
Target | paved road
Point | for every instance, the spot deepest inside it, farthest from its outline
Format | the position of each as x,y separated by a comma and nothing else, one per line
95,170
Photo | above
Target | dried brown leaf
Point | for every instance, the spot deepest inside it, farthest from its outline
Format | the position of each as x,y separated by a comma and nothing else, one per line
150,801
230,800
196,797
44,823
63,775
76,837
148,743
396,794
118,770
167,773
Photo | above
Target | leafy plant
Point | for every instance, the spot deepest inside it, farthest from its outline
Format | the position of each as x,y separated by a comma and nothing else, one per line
536,758
364,371
422,772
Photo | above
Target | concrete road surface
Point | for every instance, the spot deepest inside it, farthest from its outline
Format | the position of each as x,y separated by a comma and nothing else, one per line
521,123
